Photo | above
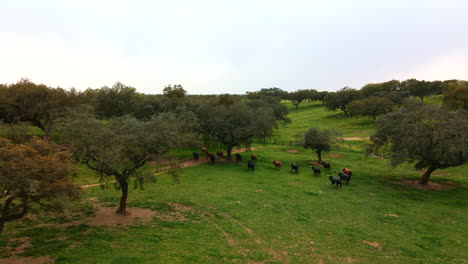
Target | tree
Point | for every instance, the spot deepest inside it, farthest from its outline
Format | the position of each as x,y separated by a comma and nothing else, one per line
117,100
174,92
341,99
120,147
37,104
372,106
430,135
33,174
456,95
298,96
417,88
319,140
233,127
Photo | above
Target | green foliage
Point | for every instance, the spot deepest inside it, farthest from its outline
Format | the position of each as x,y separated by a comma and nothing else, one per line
341,99
420,89
174,92
456,95
116,101
372,106
120,147
37,104
431,135
319,140
232,127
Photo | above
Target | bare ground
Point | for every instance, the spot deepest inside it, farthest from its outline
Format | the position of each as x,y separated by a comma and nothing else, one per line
354,138
430,186
292,150
27,260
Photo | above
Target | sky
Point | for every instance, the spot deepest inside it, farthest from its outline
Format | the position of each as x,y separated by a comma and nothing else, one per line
213,47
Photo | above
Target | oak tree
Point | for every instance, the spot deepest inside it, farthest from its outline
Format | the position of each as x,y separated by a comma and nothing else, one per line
431,136
34,174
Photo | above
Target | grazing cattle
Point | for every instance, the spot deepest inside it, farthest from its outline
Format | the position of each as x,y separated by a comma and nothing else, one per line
316,171
220,154
348,171
295,167
253,157
238,157
251,165
335,182
277,164
344,177
212,157
326,165
195,156
204,150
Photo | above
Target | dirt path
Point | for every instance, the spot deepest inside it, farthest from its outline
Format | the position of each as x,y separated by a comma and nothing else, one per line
185,164
354,138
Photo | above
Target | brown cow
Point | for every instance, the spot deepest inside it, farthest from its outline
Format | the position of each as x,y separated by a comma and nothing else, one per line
277,164
204,150
253,157
220,154
348,171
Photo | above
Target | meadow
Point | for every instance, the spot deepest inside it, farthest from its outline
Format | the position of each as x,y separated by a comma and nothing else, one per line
223,213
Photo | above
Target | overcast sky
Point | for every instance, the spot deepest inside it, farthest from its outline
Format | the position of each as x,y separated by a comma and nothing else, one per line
232,46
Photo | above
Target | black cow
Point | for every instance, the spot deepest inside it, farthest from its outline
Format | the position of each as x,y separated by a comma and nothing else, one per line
335,182
316,171
238,157
326,165
212,157
251,165
295,167
344,177
195,156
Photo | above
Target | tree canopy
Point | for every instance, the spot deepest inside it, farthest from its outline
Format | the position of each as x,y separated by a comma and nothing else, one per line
372,106
121,146
431,136
456,95
37,104
319,140
341,99
34,173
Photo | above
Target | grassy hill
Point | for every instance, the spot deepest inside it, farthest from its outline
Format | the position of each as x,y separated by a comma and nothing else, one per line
314,115
223,213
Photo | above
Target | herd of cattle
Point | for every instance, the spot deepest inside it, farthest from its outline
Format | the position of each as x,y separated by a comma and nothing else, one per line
344,176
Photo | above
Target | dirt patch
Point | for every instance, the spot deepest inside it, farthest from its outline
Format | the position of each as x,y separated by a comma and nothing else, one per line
23,244
27,260
334,155
353,138
106,216
430,186
392,215
374,244
315,163
292,151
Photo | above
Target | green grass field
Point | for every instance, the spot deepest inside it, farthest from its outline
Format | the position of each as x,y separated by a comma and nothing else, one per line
314,115
226,214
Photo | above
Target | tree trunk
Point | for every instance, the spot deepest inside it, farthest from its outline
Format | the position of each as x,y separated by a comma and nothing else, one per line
2,224
123,199
319,155
425,177
229,151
